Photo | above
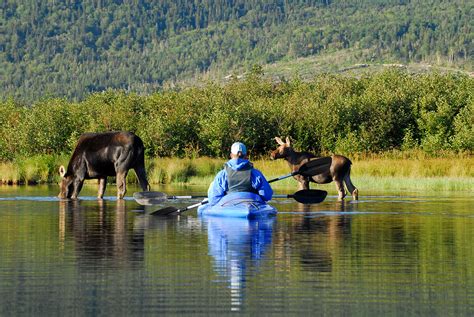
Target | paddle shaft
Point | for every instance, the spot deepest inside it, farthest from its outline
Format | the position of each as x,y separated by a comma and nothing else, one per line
173,210
283,177
283,196
309,169
192,206
185,197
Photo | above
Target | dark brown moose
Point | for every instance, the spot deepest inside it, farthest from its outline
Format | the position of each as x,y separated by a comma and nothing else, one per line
98,155
339,171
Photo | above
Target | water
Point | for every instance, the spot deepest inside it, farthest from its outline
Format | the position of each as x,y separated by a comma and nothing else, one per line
404,254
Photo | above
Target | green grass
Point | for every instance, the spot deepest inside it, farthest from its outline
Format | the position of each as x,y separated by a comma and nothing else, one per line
387,172
400,184
31,170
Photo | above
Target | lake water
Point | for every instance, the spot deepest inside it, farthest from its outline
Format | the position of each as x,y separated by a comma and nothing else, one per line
404,254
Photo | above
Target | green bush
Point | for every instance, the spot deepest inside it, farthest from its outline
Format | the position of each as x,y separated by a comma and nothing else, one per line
463,138
440,99
12,116
391,110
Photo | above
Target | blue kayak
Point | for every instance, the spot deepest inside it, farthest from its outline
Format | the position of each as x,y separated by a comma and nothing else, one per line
241,205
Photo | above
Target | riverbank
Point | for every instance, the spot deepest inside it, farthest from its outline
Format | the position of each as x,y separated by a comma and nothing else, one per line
382,172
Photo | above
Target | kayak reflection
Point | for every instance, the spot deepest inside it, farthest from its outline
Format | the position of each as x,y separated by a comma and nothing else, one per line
238,246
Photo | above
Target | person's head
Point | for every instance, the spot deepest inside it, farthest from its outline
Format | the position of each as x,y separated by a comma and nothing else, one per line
238,150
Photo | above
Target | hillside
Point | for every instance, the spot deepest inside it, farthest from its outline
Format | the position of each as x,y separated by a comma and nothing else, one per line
74,47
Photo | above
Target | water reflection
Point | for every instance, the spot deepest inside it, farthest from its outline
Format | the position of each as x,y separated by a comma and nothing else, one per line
101,233
316,234
384,255
332,207
238,247
321,239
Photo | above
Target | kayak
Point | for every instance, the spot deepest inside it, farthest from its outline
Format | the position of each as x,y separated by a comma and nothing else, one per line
239,204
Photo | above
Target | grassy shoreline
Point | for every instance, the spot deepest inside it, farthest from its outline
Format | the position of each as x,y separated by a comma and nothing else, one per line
413,172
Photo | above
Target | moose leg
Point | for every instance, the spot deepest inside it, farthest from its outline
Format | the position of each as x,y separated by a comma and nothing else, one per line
141,175
340,189
102,186
303,182
77,186
121,184
350,187
355,194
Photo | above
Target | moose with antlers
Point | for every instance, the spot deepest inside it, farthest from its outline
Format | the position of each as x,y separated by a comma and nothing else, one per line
339,171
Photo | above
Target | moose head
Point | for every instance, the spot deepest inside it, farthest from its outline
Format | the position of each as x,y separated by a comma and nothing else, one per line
283,151
65,184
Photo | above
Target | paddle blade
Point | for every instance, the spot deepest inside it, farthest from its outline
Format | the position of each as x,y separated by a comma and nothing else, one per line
149,198
309,196
316,166
165,211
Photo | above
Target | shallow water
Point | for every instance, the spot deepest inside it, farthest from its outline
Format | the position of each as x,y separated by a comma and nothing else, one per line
404,254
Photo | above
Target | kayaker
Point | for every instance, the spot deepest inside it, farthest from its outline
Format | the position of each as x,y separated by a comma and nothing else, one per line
239,175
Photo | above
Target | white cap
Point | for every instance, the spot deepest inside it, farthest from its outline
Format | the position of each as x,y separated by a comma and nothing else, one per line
238,147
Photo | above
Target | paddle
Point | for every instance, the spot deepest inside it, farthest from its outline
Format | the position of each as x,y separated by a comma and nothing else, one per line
311,168
306,196
155,198
173,210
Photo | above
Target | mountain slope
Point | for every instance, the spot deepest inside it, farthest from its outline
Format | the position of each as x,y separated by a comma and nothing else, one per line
70,48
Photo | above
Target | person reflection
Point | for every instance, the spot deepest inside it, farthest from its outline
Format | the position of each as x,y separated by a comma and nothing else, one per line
238,246
101,233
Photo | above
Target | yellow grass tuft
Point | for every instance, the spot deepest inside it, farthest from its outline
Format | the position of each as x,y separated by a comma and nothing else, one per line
9,173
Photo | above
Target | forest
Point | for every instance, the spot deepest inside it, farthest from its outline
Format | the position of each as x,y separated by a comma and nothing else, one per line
72,48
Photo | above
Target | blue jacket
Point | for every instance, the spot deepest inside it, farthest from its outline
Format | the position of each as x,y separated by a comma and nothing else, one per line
219,186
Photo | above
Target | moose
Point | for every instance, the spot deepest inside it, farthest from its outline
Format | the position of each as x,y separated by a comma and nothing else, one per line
339,170
99,155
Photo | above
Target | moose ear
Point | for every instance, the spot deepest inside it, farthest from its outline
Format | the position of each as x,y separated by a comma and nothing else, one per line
62,171
279,141
288,141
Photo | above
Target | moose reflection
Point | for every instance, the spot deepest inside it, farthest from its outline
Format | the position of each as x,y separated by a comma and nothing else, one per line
101,232
339,171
